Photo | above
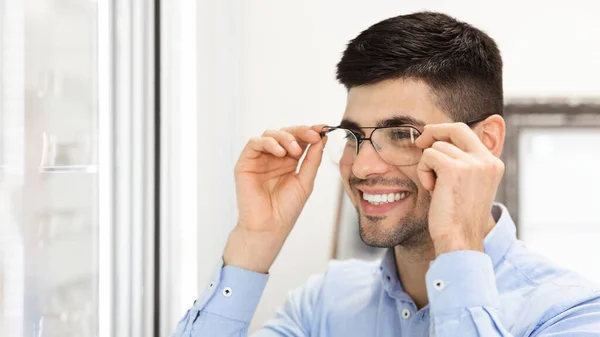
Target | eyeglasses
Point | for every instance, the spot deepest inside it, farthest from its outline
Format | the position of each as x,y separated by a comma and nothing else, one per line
394,144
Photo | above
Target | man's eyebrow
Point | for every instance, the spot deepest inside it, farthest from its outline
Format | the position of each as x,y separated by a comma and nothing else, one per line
350,124
400,120
387,122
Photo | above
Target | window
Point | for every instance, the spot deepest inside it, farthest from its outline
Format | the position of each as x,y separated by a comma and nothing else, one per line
552,157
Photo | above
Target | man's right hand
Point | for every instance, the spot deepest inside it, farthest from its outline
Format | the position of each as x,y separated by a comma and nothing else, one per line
271,194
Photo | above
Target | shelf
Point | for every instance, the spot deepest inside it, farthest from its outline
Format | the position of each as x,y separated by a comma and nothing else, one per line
52,169
70,169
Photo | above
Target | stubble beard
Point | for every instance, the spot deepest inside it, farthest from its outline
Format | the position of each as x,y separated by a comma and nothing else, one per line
411,232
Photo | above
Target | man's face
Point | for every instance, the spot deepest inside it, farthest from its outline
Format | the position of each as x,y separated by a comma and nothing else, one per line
401,222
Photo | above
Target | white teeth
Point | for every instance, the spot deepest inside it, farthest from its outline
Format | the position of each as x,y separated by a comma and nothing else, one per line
378,199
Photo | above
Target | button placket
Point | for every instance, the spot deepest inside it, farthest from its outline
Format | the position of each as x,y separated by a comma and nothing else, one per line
227,292
387,283
439,285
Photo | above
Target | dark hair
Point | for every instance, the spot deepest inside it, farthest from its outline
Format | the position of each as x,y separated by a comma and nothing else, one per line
460,63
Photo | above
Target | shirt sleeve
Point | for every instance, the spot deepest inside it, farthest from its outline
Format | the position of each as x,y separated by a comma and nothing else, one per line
463,297
580,320
230,300
227,305
464,301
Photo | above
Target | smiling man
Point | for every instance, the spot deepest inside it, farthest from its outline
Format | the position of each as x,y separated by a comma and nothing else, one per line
418,149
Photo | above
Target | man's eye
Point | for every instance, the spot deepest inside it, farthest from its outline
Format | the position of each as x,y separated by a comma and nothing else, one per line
350,139
401,134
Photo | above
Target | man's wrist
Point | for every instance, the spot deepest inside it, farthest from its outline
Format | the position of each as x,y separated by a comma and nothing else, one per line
252,251
452,243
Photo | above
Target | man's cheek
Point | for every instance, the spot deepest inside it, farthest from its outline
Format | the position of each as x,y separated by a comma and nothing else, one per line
424,200
345,174
412,174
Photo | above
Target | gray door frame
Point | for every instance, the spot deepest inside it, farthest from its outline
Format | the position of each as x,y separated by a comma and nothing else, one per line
527,114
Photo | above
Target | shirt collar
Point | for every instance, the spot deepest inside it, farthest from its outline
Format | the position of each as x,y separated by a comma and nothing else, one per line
499,240
496,245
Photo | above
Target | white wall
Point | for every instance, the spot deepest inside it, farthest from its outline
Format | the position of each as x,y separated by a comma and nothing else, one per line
284,74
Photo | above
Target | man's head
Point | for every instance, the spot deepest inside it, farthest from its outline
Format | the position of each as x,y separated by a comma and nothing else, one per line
417,69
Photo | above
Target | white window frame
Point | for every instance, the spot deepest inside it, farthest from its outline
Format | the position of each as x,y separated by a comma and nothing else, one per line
200,95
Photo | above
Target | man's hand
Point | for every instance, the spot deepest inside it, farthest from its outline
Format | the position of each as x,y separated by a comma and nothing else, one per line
463,177
271,194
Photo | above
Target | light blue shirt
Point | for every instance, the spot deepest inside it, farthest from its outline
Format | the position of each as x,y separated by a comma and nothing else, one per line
508,291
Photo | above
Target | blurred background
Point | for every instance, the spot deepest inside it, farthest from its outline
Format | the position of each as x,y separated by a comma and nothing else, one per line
121,121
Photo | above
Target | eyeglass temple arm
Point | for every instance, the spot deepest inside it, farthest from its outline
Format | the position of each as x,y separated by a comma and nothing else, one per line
477,120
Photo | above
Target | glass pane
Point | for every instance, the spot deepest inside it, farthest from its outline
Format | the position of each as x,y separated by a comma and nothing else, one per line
558,195
48,168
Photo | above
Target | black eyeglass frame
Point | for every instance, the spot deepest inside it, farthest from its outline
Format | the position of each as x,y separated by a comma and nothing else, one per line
360,139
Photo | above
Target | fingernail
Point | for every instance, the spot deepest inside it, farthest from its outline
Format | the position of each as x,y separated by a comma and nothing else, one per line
295,145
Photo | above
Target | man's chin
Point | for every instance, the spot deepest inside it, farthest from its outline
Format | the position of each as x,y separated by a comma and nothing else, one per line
383,232
377,237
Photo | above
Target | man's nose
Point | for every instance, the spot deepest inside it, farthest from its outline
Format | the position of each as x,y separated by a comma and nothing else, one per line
368,161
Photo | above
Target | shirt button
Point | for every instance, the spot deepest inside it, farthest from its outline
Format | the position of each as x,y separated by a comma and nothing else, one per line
439,285
227,292
405,313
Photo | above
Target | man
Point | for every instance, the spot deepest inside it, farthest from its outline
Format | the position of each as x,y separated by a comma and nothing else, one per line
418,150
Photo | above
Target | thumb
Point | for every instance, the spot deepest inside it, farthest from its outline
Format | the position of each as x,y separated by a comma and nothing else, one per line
310,165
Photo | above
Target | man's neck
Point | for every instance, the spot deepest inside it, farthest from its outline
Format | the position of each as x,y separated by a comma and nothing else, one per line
413,263
412,266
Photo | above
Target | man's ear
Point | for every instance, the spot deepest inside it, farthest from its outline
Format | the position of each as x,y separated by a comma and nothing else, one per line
492,132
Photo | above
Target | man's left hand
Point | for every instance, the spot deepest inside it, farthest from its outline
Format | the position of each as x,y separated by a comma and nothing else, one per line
463,177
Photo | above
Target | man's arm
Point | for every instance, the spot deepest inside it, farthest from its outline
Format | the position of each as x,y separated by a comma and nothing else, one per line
226,308
271,191
463,297
580,320
464,301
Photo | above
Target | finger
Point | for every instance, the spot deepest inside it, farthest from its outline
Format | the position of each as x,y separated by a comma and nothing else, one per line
287,141
322,130
431,164
318,127
458,134
310,165
259,145
304,134
450,150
